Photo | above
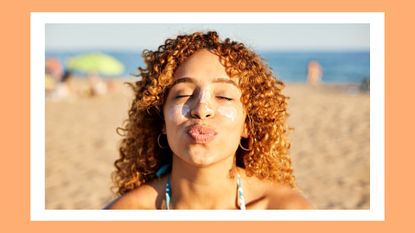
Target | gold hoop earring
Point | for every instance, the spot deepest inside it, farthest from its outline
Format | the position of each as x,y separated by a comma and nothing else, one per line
158,142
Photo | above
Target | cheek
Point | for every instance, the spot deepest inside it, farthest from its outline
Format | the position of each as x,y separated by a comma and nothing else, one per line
229,112
178,113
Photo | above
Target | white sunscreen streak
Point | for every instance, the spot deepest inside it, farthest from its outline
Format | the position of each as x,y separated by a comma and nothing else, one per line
206,98
228,112
185,111
179,112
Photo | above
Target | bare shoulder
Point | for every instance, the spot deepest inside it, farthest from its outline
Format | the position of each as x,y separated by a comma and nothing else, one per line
285,197
147,196
260,194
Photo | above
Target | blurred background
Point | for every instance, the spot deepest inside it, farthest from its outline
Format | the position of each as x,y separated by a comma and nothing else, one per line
326,68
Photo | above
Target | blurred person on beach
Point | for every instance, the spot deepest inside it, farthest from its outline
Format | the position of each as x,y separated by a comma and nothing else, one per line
54,68
97,86
206,130
365,85
50,84
314,73
65,88
53,74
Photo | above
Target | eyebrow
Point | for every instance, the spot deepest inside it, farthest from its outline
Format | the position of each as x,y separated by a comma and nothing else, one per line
190,80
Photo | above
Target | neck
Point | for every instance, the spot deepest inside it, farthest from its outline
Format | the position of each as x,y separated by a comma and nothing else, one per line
209,187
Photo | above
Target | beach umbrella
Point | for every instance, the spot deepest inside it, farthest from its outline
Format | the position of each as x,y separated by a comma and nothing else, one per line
100,63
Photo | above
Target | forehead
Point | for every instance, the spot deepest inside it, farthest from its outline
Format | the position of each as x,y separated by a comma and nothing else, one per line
202,66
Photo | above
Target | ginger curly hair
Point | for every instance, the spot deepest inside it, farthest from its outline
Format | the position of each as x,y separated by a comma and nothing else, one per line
262,98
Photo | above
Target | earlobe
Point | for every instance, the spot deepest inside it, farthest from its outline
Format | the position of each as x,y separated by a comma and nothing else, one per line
245,132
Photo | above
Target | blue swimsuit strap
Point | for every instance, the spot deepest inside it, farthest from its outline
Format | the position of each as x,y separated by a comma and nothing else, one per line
240,194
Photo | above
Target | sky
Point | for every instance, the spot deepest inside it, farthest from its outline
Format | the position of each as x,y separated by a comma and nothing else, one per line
258,36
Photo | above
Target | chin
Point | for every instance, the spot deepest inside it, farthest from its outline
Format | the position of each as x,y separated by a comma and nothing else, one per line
201,160
201,156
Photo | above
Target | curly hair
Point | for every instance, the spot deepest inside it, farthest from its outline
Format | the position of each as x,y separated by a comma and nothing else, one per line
262,98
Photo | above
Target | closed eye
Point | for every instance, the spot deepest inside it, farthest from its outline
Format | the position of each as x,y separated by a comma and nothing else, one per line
224,98
183,96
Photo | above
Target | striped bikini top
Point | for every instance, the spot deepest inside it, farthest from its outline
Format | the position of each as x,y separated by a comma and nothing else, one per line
163,169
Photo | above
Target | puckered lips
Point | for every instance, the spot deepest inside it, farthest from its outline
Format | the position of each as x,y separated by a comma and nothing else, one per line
201,134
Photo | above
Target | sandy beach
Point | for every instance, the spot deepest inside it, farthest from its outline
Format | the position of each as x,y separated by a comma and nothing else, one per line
329,146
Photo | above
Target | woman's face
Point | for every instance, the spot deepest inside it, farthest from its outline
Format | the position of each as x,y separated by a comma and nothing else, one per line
204,117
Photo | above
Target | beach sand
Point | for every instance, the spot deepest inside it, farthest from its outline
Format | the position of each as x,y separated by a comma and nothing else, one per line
329,146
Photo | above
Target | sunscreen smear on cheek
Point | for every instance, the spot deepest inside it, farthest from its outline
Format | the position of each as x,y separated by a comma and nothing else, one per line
179,112
229,112
185,111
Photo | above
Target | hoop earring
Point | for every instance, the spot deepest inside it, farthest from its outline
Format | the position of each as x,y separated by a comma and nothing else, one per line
148,112
158,142
243,148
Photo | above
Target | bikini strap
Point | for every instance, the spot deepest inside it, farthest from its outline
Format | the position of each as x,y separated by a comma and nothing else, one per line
241,194
168,193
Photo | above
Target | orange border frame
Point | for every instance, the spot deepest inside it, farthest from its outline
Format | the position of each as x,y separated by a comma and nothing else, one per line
15,171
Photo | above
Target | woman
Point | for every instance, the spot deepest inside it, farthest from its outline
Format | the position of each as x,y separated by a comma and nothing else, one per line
206,130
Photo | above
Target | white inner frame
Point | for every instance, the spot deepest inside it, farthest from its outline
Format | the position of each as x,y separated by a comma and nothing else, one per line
38,212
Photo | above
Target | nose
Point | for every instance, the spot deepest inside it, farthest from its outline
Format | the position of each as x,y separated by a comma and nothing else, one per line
202,108
202,111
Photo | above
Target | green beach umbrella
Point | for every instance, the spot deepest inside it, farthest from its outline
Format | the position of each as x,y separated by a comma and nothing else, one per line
96,63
